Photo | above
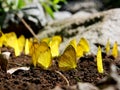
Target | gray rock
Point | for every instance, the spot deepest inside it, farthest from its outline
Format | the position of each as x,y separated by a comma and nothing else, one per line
35,9
86,5
62,15
59,15
96,28
86,86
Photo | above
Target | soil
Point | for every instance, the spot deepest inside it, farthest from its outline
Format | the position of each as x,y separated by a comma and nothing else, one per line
39,79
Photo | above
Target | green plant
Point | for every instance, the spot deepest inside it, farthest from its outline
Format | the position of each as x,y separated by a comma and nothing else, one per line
51,5
48,5
7,5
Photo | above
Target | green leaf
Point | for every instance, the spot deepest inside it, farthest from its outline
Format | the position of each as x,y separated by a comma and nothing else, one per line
21,3
48,10
56,1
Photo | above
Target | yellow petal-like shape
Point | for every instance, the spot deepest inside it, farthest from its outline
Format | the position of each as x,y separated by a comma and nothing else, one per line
80,51
78,48
67,60
11,40
45,57
21,43
28,44
57,38
33,52
2,39
74,44
99,61
41,55
54,45
107,47
47,40
115,50
83,42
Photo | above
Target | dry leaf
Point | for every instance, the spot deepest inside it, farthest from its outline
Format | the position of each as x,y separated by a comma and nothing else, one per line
12,70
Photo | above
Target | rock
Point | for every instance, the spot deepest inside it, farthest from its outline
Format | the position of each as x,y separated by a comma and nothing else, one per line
82,14
86,86
96,28
86,5
35,9
112,82
59,15
108,4
62,15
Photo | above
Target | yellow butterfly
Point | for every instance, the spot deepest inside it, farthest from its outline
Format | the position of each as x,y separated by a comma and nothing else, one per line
81,48
27,47
11,40
115,50
84,44
67,60
99,61
21,43
107,47
53,43
41,55
2,39
47,40
74,44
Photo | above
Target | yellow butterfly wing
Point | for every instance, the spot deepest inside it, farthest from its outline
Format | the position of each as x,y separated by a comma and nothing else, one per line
83,42
57,38
11,40
78,48
45,57
41,55
79,51
47,40
28,44
115,50
2,38
21,43
67,60
107,47
33,52
99,61
74,44
54,45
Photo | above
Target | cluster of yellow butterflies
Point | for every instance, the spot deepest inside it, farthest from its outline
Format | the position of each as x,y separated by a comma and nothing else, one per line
11,40
107,49
43,51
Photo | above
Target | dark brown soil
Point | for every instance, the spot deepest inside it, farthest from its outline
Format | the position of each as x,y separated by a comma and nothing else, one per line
38,79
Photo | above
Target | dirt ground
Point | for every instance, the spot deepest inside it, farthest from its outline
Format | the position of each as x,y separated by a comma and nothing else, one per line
39,79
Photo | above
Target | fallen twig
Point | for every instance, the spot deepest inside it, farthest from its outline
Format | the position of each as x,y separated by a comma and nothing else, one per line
68,84
27,26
